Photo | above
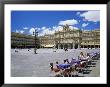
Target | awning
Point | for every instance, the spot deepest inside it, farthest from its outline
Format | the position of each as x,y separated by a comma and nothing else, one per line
49,46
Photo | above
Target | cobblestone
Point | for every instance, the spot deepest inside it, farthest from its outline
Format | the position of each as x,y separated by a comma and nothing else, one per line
25,63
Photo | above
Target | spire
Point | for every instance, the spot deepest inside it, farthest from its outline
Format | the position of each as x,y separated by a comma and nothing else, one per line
65,27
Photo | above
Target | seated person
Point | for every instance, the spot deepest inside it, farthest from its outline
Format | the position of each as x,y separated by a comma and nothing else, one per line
57,65
81,56
74,61
62,66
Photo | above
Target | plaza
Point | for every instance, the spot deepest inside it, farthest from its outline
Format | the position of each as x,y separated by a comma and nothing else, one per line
25,63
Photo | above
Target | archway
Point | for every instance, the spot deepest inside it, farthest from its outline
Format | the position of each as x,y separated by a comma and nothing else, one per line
76,46
66,46
71,46
61,46
56,46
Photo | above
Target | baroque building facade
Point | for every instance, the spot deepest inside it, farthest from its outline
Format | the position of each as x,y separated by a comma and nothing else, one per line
72,38
22,41
90,39
47,41
65,38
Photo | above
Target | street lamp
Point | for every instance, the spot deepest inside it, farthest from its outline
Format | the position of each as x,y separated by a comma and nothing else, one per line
35,33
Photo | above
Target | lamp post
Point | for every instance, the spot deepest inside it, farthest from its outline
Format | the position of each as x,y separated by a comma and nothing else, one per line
94,39
36,34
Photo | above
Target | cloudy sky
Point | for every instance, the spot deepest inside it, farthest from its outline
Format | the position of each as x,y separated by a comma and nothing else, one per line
47,22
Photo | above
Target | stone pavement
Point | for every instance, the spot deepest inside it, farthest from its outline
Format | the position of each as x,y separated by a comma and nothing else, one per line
25,63
95,70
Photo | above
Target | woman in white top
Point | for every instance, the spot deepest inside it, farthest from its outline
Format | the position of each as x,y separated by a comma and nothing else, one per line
81,56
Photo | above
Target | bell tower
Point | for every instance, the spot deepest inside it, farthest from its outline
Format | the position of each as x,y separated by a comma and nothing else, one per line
65,27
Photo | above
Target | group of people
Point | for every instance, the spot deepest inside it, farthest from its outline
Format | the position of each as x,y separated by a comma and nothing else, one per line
16,50
74,65
55,49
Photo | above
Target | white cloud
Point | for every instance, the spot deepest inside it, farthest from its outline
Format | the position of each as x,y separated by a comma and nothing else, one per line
22,31
53,29
25,28
71,27
43,28
91,15
58,28
84,24
46,31
50,31
43,31
69,22
78,13
31,31
76,28
38,29
17,31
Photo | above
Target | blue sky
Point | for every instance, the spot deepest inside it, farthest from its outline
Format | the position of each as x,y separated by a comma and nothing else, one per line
47,22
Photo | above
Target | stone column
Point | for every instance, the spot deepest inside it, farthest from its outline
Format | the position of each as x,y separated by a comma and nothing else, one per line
94,44
63,46
78,46
68,46
73,45
58,46
83,46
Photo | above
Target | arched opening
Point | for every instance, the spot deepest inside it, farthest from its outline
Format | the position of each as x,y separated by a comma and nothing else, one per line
92,46
61,46
81,46
76,46
88,46
71,46
66,46
56,46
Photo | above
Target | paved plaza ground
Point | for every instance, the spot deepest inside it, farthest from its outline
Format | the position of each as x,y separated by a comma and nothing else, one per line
25,63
